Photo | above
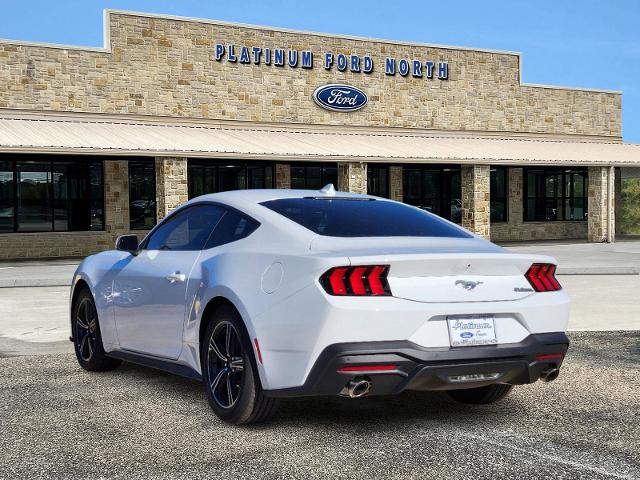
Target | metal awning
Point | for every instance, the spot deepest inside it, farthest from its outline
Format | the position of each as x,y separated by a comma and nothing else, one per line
181,137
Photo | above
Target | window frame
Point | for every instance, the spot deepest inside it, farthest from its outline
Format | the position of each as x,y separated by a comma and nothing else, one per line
14,199
143,161
563,198
505,198
323,177
445,196
216,164
145,241
385,167
51,161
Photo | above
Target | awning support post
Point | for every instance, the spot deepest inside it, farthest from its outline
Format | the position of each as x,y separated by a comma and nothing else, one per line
476,212
171,184
601,198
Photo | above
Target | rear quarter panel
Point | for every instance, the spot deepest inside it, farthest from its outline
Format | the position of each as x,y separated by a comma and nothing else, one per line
255,280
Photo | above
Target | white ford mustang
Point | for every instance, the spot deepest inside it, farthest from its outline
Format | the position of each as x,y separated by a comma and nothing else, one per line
265,294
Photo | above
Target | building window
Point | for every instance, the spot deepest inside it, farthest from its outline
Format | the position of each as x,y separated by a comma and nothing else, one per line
44,194
205,176
555,194
378,180
7,200
142,194
435,189
499,198
313,176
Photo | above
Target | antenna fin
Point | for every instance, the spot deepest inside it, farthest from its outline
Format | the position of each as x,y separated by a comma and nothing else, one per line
328,189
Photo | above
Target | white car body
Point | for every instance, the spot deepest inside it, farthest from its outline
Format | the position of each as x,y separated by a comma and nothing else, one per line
151,305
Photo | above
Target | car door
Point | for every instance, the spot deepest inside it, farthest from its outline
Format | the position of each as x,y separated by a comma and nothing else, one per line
149,292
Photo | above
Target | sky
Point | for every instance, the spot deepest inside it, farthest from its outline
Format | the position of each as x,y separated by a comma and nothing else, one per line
584,43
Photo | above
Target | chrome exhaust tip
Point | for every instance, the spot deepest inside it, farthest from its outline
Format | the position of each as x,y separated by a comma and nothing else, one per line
549,375
358,387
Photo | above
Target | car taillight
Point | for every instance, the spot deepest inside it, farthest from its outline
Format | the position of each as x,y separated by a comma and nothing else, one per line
359,281
542,277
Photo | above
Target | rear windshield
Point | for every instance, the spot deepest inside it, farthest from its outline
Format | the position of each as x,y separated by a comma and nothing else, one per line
345,217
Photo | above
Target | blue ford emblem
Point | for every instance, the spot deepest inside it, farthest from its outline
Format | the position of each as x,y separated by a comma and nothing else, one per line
466,334
340,98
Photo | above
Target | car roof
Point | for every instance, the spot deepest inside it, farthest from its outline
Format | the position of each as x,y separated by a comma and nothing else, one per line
244,198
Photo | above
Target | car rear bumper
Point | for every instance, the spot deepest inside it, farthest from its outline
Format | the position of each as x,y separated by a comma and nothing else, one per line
419,368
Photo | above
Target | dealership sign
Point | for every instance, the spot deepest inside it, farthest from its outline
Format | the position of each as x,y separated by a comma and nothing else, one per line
280,57
340,98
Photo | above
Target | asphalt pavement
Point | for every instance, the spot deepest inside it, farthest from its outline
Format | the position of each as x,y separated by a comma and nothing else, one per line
58,421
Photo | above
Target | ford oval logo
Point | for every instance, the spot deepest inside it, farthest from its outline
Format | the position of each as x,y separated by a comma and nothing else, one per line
340,98
466,334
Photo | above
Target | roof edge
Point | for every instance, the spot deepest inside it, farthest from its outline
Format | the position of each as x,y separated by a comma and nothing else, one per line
169,121
297,158
304,32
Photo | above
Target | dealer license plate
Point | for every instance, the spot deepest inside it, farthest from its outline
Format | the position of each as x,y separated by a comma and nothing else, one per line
469,331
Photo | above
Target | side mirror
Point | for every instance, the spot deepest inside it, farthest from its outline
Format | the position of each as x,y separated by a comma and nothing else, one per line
127,243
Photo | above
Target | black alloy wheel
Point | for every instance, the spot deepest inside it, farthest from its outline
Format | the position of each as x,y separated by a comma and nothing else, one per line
230,372
85,334
226,365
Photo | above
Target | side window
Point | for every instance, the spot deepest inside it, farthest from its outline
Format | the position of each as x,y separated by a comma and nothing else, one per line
187,230
232,227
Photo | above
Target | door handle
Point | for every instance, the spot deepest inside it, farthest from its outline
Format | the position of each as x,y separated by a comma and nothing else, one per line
176,277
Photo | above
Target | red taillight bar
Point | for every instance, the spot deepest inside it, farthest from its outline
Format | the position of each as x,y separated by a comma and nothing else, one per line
542,277
358,281
336,281
545,357
377,281
367,368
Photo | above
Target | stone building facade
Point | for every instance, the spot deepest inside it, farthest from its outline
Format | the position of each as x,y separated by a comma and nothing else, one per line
164,72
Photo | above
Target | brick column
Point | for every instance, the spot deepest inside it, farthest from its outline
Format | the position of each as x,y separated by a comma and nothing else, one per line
475,199
352,177
396,183
601,193
283,175
171,184
116,198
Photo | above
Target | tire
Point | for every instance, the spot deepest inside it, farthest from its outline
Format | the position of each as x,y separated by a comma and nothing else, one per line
87,341
481,395
229,371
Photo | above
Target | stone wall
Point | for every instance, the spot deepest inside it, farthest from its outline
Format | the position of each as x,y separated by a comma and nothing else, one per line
515,229
600,191
396,186
116,197
171,184
167,67
352,177
474,181
283,175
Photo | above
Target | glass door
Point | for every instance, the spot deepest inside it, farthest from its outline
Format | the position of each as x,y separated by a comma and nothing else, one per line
34,197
